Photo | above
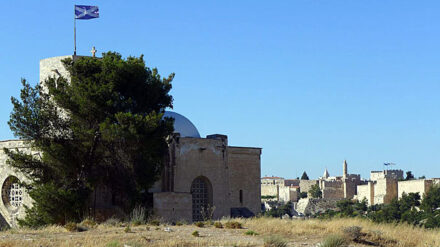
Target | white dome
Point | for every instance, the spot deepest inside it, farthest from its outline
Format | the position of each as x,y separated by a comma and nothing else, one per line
182,125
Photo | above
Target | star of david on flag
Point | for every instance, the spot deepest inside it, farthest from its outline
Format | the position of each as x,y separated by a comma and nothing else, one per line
85,12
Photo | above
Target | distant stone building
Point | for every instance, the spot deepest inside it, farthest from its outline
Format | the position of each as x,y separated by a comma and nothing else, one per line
280,189
199,175
339,187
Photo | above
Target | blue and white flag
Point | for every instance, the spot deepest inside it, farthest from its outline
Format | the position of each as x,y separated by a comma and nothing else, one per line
85,12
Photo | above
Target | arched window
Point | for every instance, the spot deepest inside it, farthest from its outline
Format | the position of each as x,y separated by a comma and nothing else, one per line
12,193
201,191
241,196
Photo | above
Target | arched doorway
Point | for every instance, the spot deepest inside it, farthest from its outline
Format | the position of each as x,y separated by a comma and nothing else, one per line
201,191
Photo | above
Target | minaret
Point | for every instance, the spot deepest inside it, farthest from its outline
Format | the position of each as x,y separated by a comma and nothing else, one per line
344,169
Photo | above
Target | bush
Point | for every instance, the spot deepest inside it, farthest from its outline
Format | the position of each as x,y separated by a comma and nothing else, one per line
274,241
195,234
233,225
334,241
113,244
279,211
88,222
127,229
71,227
352,232
180,223
154,222
138,216
112,222
53,205
251,233
218,224
199,224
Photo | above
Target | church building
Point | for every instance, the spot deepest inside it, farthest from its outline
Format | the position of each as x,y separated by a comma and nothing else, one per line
202,177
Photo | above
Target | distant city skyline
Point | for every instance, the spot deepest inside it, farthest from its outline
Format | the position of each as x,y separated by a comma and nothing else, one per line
312,83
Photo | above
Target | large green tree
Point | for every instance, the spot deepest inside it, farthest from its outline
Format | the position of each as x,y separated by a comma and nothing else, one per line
101,127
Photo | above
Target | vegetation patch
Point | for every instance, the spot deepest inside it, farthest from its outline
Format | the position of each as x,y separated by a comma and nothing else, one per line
195,233
233,225
274,241
334,241
154,222
199,224
251,233
218,224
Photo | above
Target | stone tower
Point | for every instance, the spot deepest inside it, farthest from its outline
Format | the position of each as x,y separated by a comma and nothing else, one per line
344,169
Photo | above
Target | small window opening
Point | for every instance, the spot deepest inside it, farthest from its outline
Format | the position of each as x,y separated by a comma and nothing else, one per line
241,196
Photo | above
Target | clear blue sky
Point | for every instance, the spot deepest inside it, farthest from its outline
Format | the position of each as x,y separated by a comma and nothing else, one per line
311,82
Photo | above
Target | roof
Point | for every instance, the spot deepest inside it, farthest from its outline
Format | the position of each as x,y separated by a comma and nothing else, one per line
272,178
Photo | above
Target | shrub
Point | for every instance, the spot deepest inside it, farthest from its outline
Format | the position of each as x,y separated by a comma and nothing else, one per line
352,232
218,224
154,222
279,211
179,223
195,234
233,225
112,221
199,224
113,244
127,229
88,222
333,241
138,215
251,233
274,241
71,227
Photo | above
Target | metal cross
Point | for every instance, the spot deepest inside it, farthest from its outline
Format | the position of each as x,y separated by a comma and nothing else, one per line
93,51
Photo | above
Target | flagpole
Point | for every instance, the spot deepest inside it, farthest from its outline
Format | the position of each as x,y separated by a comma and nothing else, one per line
74,31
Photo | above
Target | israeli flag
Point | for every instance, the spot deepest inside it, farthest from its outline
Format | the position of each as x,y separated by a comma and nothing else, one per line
85,12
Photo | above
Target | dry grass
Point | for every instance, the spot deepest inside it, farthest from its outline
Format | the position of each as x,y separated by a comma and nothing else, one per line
391,234
296,232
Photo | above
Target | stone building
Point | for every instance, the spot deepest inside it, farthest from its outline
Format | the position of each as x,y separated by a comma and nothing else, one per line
384,186
280,189
339,187
199,175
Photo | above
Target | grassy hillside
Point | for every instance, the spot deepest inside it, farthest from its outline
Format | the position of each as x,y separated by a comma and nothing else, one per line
255,232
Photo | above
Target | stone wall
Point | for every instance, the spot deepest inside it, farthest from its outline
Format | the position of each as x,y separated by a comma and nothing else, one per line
281,193
244,175
207,158
306,185
9,212
366,191
172,206
413,186
270,190
385,190
292,182
332,189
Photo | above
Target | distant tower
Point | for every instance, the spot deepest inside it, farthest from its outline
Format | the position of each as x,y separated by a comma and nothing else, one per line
326,174
344,169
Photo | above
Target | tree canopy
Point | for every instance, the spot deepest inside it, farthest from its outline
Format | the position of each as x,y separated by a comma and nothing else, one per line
409,175
315,191
103,126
